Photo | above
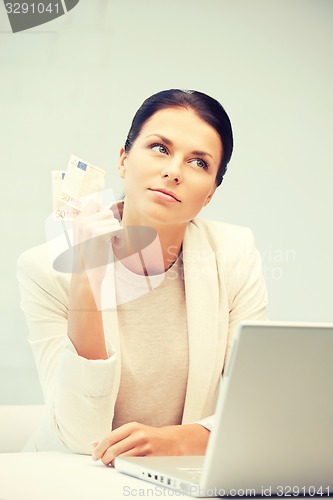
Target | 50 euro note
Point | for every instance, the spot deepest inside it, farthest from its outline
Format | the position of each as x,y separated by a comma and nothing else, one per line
60,210
71,188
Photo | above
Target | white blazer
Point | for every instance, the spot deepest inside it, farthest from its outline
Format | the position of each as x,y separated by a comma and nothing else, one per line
223,285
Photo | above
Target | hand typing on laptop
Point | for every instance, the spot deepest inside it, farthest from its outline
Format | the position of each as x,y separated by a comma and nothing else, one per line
135,439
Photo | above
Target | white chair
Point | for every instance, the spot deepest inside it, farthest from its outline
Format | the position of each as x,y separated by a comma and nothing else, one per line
17,424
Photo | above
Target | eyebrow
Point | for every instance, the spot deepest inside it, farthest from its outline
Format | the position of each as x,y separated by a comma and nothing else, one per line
170,143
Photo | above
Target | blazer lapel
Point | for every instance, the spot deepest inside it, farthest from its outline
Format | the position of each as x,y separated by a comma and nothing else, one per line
202,299
110,321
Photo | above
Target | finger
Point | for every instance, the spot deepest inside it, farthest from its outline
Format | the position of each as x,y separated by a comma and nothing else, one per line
109,440
94,214
101,227
103,232
90,229
98,219
92,206
101,213
131,446
138,443
114,437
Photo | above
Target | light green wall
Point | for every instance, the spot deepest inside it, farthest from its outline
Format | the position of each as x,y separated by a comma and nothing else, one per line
72,86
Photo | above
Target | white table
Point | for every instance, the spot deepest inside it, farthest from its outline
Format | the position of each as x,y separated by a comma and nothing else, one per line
66,476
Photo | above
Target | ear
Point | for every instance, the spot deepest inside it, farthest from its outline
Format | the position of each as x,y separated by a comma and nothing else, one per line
210,196
121,164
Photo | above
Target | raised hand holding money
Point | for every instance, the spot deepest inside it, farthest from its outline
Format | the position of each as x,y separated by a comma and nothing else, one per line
97,236
79,192
93,230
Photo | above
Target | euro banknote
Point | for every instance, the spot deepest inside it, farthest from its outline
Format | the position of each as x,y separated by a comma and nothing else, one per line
71,188
61,211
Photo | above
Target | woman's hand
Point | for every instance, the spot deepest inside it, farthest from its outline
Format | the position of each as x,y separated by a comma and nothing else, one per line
136,439
93,229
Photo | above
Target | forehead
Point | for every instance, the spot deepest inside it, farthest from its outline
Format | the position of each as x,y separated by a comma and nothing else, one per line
184,125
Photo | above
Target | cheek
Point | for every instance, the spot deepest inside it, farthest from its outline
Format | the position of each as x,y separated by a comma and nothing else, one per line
203,192
135,172
197,201
141,168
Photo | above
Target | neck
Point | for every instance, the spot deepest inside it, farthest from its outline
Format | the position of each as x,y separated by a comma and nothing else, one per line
149,248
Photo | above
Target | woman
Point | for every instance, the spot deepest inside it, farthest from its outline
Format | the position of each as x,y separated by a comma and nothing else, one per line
141,378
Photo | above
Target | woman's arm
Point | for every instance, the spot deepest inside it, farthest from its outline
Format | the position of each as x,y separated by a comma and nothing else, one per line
77,371
84,318
92,243
136,439
246,288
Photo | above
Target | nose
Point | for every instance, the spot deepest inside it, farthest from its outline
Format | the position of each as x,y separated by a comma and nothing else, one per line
173,170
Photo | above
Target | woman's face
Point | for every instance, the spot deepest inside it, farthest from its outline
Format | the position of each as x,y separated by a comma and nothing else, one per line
169,173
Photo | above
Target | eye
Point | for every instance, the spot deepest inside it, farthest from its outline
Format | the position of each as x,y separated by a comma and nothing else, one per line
200,163
159,148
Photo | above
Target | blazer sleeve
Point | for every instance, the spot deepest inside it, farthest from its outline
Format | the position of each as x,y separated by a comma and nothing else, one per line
78,391
245,285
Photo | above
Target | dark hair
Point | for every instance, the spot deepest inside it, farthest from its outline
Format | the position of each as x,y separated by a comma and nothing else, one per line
207,108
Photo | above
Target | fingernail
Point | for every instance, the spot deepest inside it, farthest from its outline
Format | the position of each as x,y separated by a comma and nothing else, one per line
94,443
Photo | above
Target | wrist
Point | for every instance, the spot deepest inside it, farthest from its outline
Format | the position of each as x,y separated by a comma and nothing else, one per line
188,439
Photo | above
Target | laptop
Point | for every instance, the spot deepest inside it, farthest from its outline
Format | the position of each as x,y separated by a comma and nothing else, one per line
273,432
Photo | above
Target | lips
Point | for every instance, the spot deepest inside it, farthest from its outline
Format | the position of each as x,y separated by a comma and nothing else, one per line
164,191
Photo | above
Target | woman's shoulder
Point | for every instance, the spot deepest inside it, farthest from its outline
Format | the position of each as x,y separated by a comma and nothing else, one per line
36,258
36,264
